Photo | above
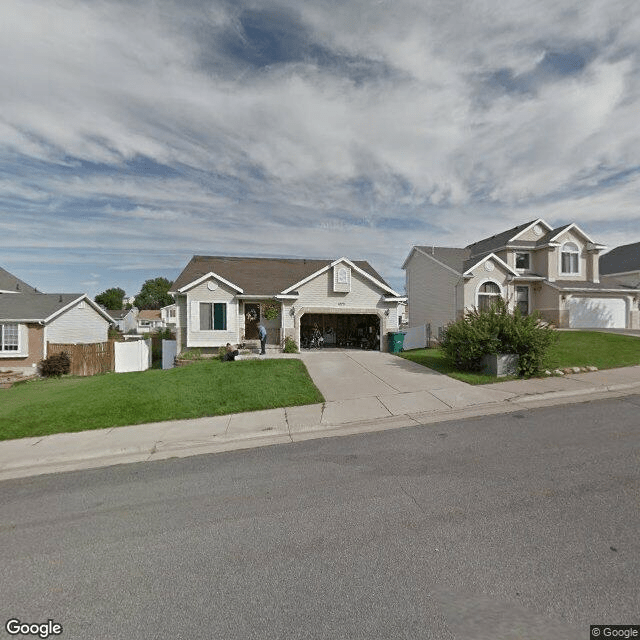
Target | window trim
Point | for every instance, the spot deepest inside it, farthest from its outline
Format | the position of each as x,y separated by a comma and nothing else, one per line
499,294
13,353
564,250
515,296
523,253
212,316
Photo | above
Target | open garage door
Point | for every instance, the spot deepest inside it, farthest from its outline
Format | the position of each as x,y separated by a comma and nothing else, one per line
342,330
597,313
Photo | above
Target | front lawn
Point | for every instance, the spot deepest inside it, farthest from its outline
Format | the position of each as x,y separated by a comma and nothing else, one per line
204,388
573,349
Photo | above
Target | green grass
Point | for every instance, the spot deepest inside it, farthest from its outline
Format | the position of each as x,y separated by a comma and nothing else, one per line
204,388
573,349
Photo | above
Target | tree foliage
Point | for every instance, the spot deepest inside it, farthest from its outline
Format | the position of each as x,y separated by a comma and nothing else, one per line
154,294
111,298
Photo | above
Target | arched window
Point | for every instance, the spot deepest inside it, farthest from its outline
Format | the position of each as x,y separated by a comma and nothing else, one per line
487,295
569,260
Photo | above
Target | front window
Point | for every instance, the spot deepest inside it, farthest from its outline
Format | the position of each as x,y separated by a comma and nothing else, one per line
213,316
488,293
523,261
522,299
8,337
569,258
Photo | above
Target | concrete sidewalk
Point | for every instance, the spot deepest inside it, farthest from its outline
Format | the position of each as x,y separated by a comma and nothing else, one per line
384,392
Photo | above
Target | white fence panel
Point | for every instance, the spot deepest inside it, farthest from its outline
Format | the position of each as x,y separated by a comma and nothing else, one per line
132,356
415,338
169,352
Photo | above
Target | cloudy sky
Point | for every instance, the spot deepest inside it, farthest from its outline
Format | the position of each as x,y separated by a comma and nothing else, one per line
136,134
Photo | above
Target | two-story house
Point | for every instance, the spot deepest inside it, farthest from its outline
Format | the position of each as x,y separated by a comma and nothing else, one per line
621,266
532,266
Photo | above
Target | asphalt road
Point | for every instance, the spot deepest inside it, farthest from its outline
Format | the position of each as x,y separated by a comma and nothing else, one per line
523,525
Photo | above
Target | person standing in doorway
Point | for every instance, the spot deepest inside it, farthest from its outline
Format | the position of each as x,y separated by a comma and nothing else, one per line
263,338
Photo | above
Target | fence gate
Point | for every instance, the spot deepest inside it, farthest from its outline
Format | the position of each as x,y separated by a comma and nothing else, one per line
86,359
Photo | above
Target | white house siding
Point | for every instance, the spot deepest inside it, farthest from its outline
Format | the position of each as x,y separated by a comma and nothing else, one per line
318,296
181,322
431,292
203,339
81,324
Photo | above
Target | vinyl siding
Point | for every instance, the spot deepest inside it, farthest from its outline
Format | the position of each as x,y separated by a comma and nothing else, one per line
431,290
81,324
213,338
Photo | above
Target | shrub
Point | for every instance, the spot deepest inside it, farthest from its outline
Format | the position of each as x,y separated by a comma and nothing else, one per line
271,309
56,365
497,330
222,352
290,345
191,354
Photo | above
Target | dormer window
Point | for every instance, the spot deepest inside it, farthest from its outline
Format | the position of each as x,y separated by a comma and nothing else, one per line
523,260
569,258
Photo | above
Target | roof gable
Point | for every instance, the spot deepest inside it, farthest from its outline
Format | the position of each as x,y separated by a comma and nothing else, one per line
474,263
42,307
261,276
10,284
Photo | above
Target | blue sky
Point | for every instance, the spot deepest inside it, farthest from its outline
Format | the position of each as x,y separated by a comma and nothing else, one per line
134,135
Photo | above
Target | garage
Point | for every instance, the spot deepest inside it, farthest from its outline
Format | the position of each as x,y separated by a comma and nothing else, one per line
597,313
341,330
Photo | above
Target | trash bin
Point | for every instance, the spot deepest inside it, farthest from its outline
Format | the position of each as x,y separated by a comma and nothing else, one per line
396,340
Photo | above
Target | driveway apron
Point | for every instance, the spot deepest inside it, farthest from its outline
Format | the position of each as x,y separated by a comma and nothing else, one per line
399,385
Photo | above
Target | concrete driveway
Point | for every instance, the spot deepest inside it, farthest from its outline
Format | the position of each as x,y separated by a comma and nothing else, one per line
350,377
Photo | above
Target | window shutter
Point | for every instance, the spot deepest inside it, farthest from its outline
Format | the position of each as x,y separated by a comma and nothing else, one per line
220,316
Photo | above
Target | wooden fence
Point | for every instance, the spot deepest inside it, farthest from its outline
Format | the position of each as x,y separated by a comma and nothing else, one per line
87,359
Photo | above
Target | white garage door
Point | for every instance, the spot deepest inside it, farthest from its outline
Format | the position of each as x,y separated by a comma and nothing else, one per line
601,313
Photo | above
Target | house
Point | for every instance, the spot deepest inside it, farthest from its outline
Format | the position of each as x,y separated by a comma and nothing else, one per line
30,320
149,320
532,266
222,299
125,320
168,316
621,266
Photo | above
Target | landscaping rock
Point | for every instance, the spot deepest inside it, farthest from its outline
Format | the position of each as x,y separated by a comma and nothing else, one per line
576,369
557,372
590,368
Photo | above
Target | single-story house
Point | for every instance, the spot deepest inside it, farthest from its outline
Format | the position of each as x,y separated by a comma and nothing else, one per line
533,266
125,320
621,266
149,320
222,299
29,320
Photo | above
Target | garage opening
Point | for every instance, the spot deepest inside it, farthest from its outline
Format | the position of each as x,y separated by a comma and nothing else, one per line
346,331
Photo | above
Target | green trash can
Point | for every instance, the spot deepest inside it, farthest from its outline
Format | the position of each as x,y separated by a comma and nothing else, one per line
396,340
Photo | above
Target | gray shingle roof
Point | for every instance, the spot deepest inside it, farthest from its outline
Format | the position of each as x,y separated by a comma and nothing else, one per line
8,282
453,257
259,276
592,286
494,242
33,306
621,259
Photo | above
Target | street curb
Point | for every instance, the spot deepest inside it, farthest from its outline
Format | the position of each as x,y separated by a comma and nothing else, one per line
250,440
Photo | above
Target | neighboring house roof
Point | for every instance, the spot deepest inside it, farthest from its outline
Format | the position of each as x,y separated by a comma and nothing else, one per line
9,283
149,314
260,276
41,307
119,314
449,256
621,259
498,240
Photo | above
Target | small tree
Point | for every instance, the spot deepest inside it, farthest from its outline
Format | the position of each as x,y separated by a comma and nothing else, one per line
111,298
154,294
